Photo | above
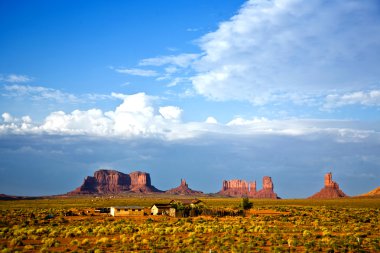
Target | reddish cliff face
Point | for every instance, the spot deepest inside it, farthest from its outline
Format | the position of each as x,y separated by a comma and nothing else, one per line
140,182
112,181
183,189
330,191
252,187
240,188
268,190
267,183
139,178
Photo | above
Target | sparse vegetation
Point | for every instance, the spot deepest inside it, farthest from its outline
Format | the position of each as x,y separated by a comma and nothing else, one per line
349,225
246,204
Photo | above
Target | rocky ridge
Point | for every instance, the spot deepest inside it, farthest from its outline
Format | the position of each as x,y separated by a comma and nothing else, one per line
330,190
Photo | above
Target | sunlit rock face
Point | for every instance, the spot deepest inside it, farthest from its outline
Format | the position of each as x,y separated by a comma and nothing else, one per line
112,181
241,188
330,190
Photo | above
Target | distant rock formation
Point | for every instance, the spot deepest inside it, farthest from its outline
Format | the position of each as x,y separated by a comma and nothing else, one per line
238,188
112,181
268,190
241,188
140,182
105,181
330,191
373,193
183,189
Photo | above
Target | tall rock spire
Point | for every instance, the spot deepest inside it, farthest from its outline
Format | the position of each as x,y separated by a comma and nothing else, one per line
330,190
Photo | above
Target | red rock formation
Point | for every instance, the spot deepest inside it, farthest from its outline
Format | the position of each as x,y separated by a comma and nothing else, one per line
240,188
112,181
237,187
331,190
183,189
267,183
252,187
267,191
140,182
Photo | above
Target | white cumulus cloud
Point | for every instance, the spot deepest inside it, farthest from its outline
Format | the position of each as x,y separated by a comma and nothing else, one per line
211,120
290,46
138,116
170,112
7,118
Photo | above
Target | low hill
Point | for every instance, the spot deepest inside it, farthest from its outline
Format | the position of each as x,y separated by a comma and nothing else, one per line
373,193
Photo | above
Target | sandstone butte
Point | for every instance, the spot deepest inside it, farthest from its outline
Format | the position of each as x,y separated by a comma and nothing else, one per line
183,189
242,188
112,181
330,191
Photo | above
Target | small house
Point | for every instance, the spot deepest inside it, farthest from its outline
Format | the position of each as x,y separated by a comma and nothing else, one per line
160,209
127,211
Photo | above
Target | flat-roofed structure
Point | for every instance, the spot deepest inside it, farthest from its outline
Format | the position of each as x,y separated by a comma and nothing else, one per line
127,211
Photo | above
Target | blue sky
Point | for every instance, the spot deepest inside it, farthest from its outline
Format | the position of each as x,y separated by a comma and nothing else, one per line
202,90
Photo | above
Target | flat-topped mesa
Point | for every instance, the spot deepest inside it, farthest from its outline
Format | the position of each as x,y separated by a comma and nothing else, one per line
330,190
242,188
140,182
237,187
140,178
183,189
112,181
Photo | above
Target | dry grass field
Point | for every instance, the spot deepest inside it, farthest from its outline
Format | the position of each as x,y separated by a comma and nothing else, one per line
344,225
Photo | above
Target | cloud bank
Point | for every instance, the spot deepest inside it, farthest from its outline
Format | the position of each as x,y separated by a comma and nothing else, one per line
140,116
290,46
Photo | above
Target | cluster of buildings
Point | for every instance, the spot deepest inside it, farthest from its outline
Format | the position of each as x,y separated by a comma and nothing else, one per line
174,208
